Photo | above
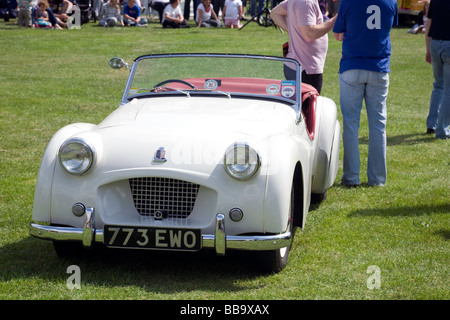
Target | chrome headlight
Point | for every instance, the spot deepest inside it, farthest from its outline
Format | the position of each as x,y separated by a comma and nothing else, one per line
76,156
241,161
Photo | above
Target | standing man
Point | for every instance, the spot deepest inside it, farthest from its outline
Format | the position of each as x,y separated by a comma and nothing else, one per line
364,28
308,38
438,54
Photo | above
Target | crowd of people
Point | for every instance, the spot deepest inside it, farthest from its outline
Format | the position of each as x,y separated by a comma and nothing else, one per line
37,13
109,13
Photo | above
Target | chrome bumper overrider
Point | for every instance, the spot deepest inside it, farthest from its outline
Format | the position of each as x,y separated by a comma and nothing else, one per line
218,241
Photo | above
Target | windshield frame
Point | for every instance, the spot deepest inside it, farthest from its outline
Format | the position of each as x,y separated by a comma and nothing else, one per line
295,103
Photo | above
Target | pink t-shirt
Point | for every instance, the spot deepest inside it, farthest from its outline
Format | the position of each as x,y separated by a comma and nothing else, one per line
311,55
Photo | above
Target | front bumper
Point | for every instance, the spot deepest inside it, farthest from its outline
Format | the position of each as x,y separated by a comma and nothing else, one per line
218,241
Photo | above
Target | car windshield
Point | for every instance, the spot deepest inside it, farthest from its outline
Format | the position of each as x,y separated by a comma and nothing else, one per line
213,74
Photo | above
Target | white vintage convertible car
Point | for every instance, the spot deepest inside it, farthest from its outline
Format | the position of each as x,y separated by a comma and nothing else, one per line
205,151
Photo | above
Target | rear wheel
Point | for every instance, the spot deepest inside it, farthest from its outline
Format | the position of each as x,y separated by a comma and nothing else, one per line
317,198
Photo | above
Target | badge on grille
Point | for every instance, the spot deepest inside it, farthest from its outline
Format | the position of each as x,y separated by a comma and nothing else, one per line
160,214
160,155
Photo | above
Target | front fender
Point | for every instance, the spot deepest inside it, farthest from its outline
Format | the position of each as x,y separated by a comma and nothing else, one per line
286,155
43,190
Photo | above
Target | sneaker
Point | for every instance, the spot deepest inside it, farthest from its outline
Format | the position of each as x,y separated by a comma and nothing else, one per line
350,185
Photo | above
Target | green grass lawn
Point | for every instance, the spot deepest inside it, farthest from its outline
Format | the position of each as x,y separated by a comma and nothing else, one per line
50,78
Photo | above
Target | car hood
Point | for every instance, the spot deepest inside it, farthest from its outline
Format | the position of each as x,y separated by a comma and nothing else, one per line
252,117
194,130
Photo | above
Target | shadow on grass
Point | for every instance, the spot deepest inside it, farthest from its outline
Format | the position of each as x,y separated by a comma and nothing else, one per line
405,139
402,211
155,272
408,211
444,233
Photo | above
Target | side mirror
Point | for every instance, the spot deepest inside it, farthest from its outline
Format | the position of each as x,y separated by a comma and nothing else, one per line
118,63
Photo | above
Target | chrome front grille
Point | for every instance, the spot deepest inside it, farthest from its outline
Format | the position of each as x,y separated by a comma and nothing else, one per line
166,197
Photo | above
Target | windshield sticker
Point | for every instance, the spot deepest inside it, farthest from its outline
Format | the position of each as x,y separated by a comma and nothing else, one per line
288,89
272,89
132,91
211,84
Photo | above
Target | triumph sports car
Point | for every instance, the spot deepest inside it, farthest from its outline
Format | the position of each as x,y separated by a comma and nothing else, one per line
204,151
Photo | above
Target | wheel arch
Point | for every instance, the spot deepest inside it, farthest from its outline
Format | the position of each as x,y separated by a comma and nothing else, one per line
299,197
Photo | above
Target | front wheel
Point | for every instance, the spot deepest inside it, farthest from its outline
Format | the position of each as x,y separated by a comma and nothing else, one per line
276,260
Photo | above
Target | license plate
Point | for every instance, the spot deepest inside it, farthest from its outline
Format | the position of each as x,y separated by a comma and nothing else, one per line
152,238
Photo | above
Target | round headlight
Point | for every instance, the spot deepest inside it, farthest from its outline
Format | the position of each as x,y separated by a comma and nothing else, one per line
241,161
76,156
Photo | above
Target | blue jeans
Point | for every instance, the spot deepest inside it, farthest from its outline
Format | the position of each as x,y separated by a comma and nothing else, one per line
253,10
439,114
356,86
131,23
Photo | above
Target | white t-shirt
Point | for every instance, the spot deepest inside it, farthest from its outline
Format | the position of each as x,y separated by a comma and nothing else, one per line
232,11
206,15
171,12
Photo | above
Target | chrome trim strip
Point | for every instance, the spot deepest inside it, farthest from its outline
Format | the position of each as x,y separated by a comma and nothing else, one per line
56,233
269,242
219,241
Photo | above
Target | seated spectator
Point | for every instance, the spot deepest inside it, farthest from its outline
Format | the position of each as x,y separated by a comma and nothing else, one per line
55,22
136,2
110,14
172,16
42,21
132,15
42,16
206,17
61,8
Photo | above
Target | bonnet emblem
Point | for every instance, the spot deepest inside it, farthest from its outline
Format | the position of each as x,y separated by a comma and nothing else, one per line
160,155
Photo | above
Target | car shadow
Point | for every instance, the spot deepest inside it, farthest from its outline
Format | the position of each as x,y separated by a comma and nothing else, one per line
405,139
408,211
402,211
157,272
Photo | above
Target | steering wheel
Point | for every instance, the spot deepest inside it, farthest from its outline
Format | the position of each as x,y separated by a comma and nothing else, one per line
173,80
